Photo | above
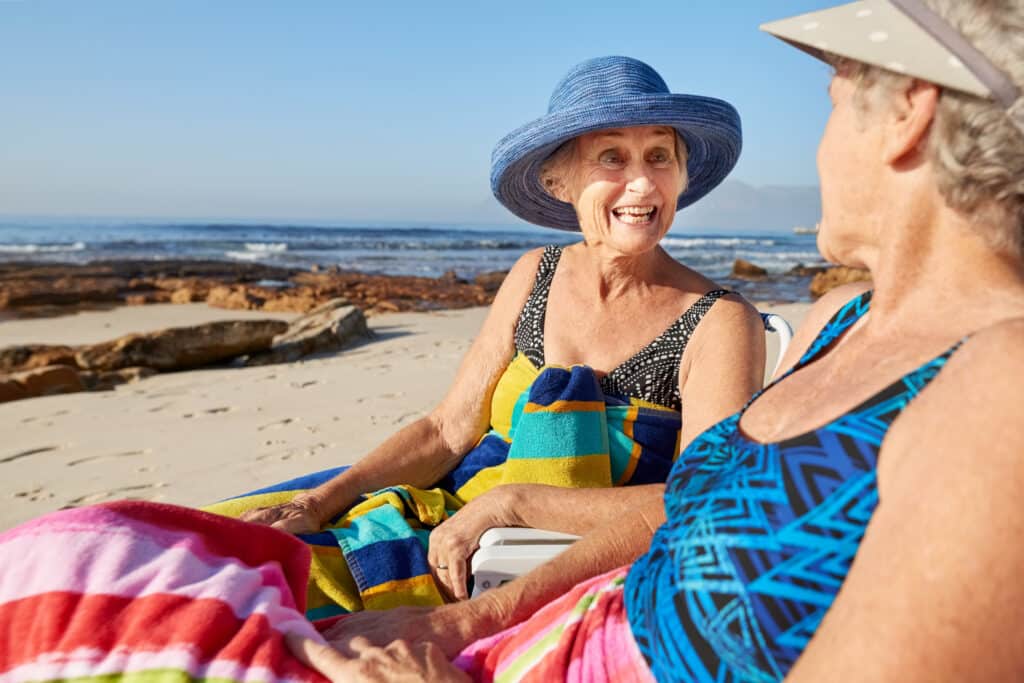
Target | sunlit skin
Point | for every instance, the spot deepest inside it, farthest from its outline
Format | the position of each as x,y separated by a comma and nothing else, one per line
625,185
849,174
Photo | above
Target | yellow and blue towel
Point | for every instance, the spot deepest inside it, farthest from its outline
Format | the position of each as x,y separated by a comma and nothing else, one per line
549,426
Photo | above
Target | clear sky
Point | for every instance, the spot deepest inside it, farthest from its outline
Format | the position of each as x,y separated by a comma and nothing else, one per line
345,110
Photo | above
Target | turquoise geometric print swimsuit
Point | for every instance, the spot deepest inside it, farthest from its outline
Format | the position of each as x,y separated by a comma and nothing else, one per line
760,537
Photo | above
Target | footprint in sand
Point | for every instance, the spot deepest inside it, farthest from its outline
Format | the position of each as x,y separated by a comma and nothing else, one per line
34,495
113,494
402,418
277,425
25,454
110,456
303,385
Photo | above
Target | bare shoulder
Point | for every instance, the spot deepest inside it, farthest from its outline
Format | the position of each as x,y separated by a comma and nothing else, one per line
973,406
517,285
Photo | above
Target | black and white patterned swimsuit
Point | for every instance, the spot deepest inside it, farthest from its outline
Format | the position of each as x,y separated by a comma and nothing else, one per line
652,374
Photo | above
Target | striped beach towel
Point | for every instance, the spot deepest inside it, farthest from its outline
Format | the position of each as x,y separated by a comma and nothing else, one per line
145,592
582,637
553,426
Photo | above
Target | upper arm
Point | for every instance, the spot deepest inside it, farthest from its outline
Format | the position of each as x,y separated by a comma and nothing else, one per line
935,590
821,312
464,413
723,365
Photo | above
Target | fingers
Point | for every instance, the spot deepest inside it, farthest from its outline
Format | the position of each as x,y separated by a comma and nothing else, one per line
318,656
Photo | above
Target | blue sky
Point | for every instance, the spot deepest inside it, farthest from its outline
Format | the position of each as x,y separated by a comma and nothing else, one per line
342,110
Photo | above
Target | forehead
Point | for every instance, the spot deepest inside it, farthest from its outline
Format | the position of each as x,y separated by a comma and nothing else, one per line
633,134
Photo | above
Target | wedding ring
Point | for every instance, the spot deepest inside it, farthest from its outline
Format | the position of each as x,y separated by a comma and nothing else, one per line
441,566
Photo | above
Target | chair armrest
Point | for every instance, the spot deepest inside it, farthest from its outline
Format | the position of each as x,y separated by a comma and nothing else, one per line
524,536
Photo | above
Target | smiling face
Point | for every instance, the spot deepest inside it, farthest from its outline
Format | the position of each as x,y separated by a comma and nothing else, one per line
624,184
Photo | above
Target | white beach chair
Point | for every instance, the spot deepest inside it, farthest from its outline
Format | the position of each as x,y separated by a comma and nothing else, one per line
508,552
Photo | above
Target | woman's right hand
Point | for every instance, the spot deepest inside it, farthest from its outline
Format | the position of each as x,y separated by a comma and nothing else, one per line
300,515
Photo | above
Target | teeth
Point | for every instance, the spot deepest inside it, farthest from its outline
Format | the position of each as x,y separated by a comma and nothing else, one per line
634,214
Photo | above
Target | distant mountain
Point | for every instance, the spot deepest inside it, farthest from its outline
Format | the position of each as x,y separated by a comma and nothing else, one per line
734,206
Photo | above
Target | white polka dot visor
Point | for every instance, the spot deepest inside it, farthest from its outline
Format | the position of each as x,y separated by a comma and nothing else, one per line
881,33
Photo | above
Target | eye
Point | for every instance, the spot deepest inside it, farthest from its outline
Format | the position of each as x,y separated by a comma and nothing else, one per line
610,157
659,156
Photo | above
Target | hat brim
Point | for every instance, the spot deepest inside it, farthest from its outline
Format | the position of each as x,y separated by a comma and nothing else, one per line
709,127
876,32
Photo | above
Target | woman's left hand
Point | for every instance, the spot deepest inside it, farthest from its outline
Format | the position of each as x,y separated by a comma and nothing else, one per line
453,542
366,662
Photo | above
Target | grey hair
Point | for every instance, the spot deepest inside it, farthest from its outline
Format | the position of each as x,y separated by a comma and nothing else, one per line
557,168
974,147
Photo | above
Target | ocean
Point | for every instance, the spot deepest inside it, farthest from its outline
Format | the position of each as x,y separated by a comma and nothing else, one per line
427,250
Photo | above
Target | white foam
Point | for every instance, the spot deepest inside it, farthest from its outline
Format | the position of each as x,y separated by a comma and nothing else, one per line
40,248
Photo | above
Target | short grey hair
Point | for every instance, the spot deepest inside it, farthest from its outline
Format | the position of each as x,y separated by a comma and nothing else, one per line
977,152
558,167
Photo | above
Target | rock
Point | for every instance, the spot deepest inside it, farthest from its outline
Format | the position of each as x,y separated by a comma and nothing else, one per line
44,381
237,297
387,306
29,356
186,295
104,380
11,390
490,281
178,348
833,277
300,300
329,327
745,270
800,270
449,277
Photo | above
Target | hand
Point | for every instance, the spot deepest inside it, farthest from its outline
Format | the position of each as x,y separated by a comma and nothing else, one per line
450,627
453,542
298,516
398,662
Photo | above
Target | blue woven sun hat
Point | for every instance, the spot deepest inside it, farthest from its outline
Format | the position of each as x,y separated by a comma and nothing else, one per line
612,92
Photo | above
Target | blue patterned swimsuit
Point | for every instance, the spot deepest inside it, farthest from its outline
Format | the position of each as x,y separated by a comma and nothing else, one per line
760,537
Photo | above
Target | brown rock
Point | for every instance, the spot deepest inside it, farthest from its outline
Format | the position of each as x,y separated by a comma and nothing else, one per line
187,295
178,348
745,270
11,390
237,297
329,327
29,356
800,270
387,306
491,281
104,380
833,277
52,379
302,300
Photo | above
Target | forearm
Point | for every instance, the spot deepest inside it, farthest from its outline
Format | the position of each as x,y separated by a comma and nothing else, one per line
612,546
417,455
576,511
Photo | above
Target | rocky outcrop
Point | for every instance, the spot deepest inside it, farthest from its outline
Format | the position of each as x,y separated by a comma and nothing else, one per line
180,348
104,380
29,356
490,281
44,381
239,286
834,277
329,327
745,270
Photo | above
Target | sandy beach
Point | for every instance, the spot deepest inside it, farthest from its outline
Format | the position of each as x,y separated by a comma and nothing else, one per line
195,437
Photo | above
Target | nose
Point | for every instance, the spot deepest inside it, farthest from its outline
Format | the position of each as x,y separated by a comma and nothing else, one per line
639,180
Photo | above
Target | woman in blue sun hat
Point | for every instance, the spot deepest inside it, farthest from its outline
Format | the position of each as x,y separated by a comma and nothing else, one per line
615,157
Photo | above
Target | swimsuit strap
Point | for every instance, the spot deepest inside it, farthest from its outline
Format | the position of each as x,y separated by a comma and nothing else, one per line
529,332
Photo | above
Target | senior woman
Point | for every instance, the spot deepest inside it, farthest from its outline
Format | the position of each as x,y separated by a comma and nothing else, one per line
859,519
612,319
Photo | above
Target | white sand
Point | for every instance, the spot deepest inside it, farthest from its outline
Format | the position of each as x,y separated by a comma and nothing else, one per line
194,437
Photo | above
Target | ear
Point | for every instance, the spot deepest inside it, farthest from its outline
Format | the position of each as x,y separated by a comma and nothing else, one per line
912,113
555,186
